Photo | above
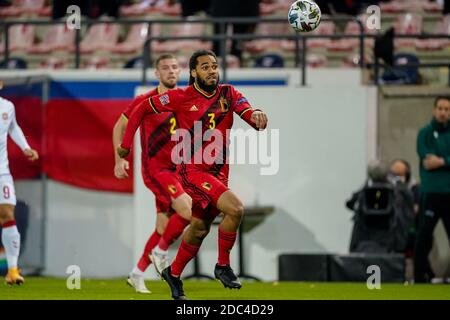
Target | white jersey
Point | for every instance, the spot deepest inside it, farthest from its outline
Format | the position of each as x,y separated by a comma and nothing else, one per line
8,125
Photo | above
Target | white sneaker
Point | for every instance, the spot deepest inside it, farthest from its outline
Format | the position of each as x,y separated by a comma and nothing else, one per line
137,282
160,259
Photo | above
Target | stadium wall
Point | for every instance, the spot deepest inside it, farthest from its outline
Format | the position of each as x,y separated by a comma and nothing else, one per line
327,133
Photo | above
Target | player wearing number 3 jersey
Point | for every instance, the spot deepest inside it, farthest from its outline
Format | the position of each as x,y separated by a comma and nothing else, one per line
204,112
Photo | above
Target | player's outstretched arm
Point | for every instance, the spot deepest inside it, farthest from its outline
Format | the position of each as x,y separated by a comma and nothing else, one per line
121,165
133,124
259,118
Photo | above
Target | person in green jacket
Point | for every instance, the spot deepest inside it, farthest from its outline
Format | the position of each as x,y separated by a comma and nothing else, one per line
433,148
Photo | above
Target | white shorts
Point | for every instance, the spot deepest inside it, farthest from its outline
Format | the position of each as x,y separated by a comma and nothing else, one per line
7,192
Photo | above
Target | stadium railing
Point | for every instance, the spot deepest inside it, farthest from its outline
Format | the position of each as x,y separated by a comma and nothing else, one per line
300,38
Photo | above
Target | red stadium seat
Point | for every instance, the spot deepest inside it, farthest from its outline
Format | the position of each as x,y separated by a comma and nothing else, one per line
21,37
409,23
54,63
23,7
353,60
315,60
267,29
325,28
57,37
352,28
97,62
184,29
232,61
134,41
443,27
400,6
103,36
267,7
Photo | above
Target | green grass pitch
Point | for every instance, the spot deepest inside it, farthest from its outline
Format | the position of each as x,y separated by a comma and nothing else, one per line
116,289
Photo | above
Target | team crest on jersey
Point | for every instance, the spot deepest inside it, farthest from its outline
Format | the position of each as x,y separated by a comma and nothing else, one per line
172,188
223,104
164,99
5,116
206,186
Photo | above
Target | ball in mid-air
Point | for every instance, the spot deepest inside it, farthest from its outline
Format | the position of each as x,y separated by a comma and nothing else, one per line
304,15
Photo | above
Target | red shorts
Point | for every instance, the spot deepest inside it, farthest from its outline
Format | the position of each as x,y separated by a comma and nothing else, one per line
165,186
205,190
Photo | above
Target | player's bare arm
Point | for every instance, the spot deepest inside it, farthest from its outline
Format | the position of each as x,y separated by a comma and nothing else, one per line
121,165
259,118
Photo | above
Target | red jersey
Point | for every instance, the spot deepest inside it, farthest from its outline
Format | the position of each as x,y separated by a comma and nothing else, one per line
156,131
210,111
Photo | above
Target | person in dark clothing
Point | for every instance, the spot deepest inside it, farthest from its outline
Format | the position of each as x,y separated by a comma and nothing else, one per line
235,8
433,148
91,8
446,7
400,169
191,7
220,9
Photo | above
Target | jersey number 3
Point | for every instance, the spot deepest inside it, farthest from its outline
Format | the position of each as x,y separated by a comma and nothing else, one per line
212,121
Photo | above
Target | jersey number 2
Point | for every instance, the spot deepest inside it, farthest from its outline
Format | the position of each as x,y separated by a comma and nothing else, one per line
173,125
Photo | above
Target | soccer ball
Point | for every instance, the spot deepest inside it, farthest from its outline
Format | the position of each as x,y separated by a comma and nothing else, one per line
304,15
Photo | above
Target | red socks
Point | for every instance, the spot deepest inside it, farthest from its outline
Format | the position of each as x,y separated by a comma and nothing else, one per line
185,253
144,261
226,243
174,229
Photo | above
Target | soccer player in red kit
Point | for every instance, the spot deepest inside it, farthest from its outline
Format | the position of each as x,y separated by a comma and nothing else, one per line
207,105
158,173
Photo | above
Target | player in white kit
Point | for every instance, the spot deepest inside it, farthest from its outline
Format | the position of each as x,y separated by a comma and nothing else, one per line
10,234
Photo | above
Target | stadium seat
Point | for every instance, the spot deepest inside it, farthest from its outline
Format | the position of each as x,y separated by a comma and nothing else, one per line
134,40
232,61
102,36
170,10
353,28
353,60
268,7
325,28
54,63
56,37
180,30
24,7
443,27
315,60
97,62
264,45
400,6
21,37
407,24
